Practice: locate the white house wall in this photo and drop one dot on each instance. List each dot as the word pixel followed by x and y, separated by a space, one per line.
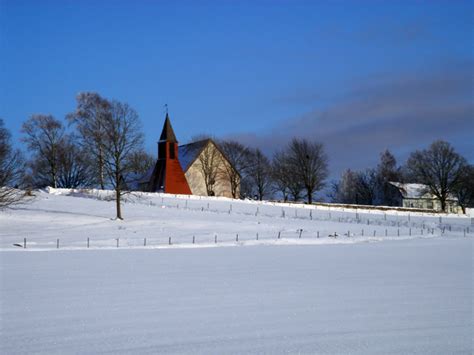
pixel 196 182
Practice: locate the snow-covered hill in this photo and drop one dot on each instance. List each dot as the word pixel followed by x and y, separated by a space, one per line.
pixel 74 216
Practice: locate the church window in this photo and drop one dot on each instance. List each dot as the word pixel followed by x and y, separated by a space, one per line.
pixel 171 148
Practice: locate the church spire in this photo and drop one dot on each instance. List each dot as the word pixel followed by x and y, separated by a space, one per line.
pixel 167 134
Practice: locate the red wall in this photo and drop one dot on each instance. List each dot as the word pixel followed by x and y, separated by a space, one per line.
pixel 175 180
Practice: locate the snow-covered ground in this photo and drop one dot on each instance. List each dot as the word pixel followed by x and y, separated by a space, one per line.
pixel 407 292
pixel 75 216
pixel 395 297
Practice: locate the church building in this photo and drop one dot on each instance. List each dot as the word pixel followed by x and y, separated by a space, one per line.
pixel 197 168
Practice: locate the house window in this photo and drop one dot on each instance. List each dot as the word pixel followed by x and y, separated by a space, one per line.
pixel 171 148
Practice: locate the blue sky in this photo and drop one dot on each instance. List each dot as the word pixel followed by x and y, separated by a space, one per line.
pixel 360 76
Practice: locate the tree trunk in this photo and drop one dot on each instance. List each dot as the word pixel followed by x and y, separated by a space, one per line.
pixel 443 204
pixel 101 169
pixel 310 196
pixel 117 202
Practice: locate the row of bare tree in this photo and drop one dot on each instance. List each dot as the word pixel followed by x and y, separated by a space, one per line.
pixel 298 170
pixel 100 143
pixel 444 172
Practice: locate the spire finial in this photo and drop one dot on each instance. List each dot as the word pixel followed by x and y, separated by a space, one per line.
pixel 166 109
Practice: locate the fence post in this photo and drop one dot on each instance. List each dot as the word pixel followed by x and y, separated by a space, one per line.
pixel 421 231
pixel 169 241
pixel 362 231
pixel 118 241
pixel 57 243
pixel 88 242
pixel 386 232
pixel 318 235
pixel 301 231
pixel 374 232
pixel 256 213
pixel 398 232
pixel 278 235
pixel 310 214
pixel 144 242
pixel 237 237
pixel 409 231
pixel 194 239
pixel 257 236
pixel 348 233
pixel 24 243
pixel 215 238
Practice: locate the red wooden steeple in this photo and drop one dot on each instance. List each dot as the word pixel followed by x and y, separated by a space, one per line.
pixel 168 176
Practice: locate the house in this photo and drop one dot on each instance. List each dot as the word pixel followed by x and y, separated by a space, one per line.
pixel 419 196
pixel 197 168
pixel 206 168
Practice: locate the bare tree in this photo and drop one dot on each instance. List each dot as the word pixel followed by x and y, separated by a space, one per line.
pixel 90 118
pixel 260 173
pixel 439 167
pixel 356 187
pixel 239 158
pixel 367 187
pixel 122 137
pixel 139 162
pixel 345 190
pixel 387 171
pixel 202 137
pixel 11 169
pixel 465 189
pixel 44 135
pixel 284 179
pixel 310 164
pixel 74 166
pixel 210 164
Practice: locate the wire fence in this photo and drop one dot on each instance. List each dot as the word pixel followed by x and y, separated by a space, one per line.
pixel 349 223
pixel 207 239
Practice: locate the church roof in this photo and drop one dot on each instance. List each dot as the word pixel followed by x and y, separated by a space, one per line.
pixel 188 153
pixel 167 134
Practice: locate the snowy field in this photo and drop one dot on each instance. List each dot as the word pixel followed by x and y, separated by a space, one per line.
pixel 74 217
pixel 395 297
pixel 408 289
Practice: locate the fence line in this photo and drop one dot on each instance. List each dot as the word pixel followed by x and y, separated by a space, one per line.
pixel 241 237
